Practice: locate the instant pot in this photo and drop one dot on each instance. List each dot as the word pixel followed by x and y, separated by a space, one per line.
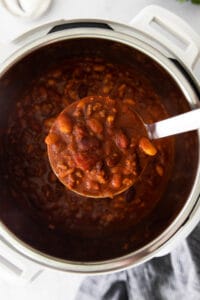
pixel 175 47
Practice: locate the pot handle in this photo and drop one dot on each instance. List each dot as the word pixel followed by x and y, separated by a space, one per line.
pixel 16 268
pixel 171 31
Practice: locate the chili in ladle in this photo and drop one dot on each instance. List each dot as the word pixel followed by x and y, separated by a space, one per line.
pixel 98 146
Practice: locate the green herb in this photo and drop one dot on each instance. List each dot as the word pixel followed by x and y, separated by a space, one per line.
pixel 196 1
pixel 193 1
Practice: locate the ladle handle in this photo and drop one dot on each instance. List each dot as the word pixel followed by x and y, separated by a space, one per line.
pixel 182 123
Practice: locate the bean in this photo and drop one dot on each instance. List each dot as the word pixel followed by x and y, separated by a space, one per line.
pixel 30 148
pixel 107 88
pixel 62 173
pixel 79 174
pixel 61 166
pixel 91 185
pixel 57 73
pixel 65 101
pixel 46 109
pixel 100 178
pixel 80 105
pixel 99 68
pixel 73 94
pixel 108 148
pixel 127 181
pixel 100 165
pixel 121 140
pixel 113 159
pixel 95 186
pixel 89 110
pixel 51 226
pixel 85 161
pixel 102 113
pixel 95 125
pixel 116 169
pixel 159 170
pixel 51 82
pixel 71 180
pixel 110 120
pixel 65 124
pixel 116 181
pixel 88 143
pixel 49 122
pixel 77 112
pixel 79 132
pixel 129 101
pixel 51 139
pixel 133 142
pixel 97 106
pixel 42 93
pixel 121 90
pixel 147 147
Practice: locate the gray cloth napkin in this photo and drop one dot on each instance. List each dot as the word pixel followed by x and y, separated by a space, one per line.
pixel 174 276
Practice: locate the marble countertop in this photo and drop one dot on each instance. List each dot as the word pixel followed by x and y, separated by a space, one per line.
pixel 51 284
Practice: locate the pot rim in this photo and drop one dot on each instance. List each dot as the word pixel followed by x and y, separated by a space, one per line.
pixel 168 236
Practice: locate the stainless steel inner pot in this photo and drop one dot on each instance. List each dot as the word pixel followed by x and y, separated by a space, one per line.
pixel 179 204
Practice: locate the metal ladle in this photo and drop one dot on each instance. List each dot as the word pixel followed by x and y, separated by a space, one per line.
pixel 179 124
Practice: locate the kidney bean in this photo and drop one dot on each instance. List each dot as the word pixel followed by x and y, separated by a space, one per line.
pixel 88 143
pixel 121 140
pixel 84 160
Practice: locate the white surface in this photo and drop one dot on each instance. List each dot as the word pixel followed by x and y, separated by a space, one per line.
pixel 50 285
pixel 27 9
pixel 54 285
pixel 118 10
